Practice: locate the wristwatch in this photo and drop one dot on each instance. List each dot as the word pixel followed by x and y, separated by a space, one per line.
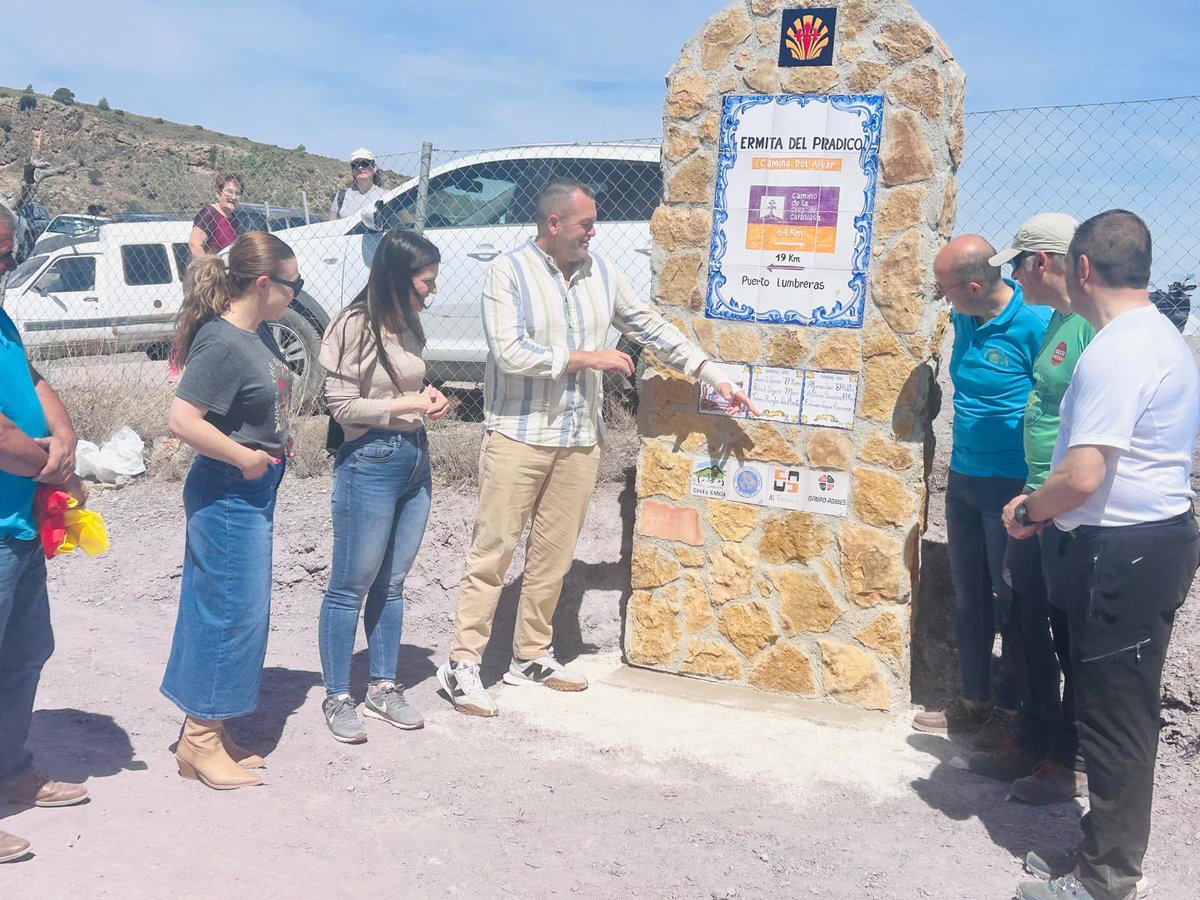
pixel 1021 514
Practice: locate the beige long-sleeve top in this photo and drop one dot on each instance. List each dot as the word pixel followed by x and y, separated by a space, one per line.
pixel 358 391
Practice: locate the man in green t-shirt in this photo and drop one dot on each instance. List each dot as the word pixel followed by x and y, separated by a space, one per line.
pixel 1042 761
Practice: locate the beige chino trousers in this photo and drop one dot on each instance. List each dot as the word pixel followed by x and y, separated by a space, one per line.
pixel 516 481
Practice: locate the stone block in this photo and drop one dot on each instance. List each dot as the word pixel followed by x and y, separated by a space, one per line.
pixel 652 567
pixel 830 450
pixel 867 75
pixel 793 537
pixel 654 630
pixel 785 670
pixel 851 675
pixel 880 498
pixel 887 384
pixel 693 180
pixel 879 451
pixel 905 156
pixel 723 32
pixel 919 88
pixel 697 609
pixel 748 626
pixel 670 522
pixel 765 7
pixel 679 280
pixel 838 350
pixel 681 228
pixel 709 128
pixel 663 388
pixel 738 343
pixel 814 80
pixel 680 143
pixel 687 94
pixel 897 285
pixel 731 571
pixel 711 659
pixel 772 443
pixel 663 472
pixel 900 209
pixel 872 566
pixel 690 557
pixel 885 636
pixel 949 210
pixel 853 17
pixel 805 603
pixel 904 41
pixel 763 77
pixel 706 337
pixel 732 521
pixel 787 347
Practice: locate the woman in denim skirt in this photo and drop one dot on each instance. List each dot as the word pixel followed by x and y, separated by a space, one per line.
pixel 232 408
pixel 375 389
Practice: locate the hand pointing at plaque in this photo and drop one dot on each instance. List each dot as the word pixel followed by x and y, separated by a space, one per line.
pixel 736 400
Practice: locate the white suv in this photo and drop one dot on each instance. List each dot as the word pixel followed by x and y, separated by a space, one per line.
pixel 478 207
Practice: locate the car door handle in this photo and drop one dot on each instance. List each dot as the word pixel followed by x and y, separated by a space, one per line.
pixel 484 255
pixel 331 260
pixel 91 299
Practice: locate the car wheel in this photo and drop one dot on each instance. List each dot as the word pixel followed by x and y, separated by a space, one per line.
pixel 300 345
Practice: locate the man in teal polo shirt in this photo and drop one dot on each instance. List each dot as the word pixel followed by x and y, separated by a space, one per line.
pixel 37 444
pixel 996 337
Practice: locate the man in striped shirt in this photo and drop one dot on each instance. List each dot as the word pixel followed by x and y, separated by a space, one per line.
pixel 547 310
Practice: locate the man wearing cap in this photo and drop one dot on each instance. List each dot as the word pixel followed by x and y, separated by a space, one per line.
pixel 1120 540
pixel 362 194
pixel 1042 761
pixel 996 337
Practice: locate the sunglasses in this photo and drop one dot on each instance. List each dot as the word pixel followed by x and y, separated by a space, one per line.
pixel 296 285
pixel 1019 259
pixel 362 164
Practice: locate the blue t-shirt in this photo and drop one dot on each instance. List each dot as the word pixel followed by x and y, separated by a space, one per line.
pixel 20 404
pixel 991 368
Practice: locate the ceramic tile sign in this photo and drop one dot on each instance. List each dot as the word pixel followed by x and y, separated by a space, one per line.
pixel 829 398
pixel 795 193
pixel 806 37
pixel 777 393
pixel 769 484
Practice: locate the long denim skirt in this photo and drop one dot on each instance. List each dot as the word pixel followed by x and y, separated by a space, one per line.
pixel 220 640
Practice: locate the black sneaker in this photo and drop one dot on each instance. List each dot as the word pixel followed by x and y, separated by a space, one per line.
pixel 1008 762
pixel 996 730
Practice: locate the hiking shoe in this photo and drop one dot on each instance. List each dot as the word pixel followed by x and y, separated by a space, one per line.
pixel 343 720
pixel 460 680
pixel 996 730
pixel 12 847
pixel 386 702
pixel 955 715
pixel 1051 782
pixel 544 670
pixel 1064 865
pixel 1067 887
pixel 35 789
pixel 1007 762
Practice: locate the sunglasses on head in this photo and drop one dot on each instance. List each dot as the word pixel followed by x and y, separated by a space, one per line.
pixel 362 164
pixel 296 285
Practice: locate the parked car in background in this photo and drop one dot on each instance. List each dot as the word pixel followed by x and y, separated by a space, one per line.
pixel 32 219
pixel 478 207
pixel 71 225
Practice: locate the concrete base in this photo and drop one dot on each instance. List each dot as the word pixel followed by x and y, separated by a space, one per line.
pixel 745 698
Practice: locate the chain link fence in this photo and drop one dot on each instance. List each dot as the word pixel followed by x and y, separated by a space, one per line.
pixel 97 293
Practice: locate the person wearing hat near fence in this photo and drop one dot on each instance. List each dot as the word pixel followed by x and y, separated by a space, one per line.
pixel 1042 759
pixel 1120 540
pixel 37 444
pixel 548 307
pixel 365 188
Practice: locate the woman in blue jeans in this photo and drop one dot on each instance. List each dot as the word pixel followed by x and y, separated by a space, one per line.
pixel 381 481
pixel 232 407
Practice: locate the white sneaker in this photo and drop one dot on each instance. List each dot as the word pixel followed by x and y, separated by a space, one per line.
pixel 544 670
pixel 460 680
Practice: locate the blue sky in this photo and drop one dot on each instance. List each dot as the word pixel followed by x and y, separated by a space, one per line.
pixel 470 74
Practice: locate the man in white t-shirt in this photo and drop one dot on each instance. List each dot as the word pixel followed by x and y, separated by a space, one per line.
pixel 1123 542
pixel 349 202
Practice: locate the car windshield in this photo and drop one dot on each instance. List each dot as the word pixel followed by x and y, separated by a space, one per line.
pixel 72 225
pixel 25 271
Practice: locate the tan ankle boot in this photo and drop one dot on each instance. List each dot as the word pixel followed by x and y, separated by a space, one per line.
pixel 241 755
pixel 201 755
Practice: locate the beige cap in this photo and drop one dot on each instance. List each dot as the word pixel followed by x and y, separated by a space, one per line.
pixel 1048 232
pixel 362 153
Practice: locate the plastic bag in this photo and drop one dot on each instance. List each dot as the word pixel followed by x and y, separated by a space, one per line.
pixel 64 526
pixel 120 455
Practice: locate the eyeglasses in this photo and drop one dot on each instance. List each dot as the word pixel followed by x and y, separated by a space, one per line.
pixel 296 285
pixel 362 164
pixel 231 195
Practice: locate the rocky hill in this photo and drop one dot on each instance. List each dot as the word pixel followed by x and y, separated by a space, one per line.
pixel 130 163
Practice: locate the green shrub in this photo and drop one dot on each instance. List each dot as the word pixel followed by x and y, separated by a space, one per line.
pixel 198 127
pixel 64 95
pixel 26 103
pixel 5 124
pixel 159 120
pixel 103 104
pixel 94 176
pixel 118 112
pixel 300 148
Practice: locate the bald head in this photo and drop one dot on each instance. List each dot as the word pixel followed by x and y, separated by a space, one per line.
pixel 965 260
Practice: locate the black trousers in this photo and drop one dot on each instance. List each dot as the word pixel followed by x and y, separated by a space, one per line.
pixel 1120 588
pixel 1038 633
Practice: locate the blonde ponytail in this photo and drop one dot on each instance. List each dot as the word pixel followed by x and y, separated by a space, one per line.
pixel 206 295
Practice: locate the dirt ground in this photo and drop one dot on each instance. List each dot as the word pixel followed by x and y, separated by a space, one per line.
pixel 612 793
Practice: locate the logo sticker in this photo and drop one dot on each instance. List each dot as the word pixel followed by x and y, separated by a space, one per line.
pixel 806 38
pixel 747 482
pixel 1060 353
pixel 996 357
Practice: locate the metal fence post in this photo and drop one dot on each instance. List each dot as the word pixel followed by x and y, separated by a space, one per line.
pixel 423 186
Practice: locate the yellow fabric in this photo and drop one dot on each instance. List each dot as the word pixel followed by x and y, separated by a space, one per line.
pixel 85 531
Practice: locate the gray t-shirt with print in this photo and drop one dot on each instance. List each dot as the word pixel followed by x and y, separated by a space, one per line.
pixel 241 379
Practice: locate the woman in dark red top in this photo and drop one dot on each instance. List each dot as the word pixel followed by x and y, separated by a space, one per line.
pixel 213 229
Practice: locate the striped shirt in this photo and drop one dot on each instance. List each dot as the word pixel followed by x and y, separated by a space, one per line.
pixel 533 319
